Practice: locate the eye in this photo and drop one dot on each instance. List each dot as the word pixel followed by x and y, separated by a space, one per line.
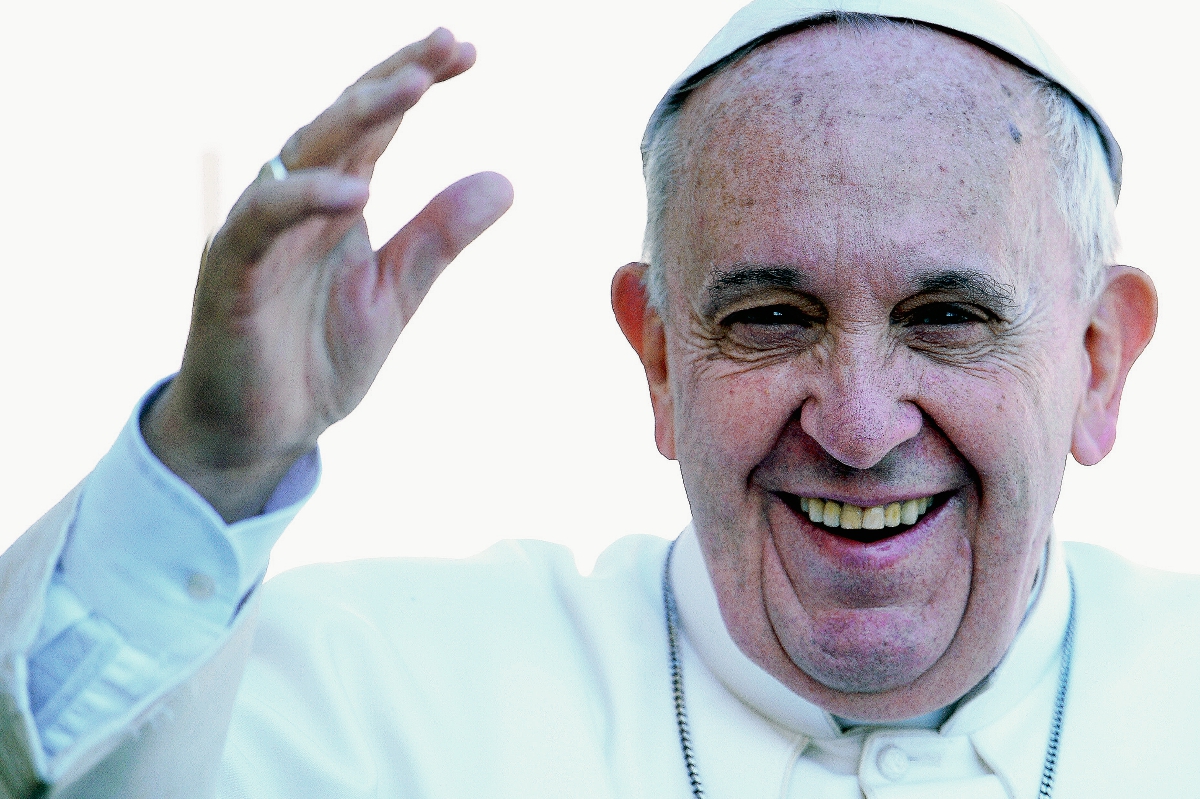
pixel 770 315
pixel 940 314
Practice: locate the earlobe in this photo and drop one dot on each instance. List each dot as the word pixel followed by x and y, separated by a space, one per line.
pixel 1121 327
pixel 644 330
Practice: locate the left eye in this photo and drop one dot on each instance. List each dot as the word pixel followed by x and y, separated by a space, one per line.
pixel 940 313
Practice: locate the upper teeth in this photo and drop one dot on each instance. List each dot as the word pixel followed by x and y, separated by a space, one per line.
pixel 852 517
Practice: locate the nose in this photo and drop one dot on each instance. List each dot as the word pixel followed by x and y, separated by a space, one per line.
pixel 860 409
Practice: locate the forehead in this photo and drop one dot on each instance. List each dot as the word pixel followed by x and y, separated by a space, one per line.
pixel 889 143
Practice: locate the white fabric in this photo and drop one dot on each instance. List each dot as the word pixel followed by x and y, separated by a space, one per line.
pixel 510 674
pixel 986 20
pixel 1032 661
pixel 128 609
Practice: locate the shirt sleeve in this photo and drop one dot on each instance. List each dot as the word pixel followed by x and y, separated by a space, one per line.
pixel 149 579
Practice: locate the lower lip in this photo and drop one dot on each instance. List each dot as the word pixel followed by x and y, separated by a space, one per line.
pixel 879 554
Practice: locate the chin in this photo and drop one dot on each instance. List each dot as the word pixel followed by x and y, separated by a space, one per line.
pixel 865 651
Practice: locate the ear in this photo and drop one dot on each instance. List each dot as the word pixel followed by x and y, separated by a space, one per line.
pixel 1121 327
pixel 643 328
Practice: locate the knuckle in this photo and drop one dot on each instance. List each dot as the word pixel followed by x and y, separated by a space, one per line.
pixel 311 195
pixel 239 206
pixel 216 249
pixel 255 206
pixel 293 149
pixel 358 101
pixel 289 153
pixel 439 246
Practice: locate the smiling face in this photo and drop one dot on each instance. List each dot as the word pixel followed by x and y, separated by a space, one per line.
pixel 872 321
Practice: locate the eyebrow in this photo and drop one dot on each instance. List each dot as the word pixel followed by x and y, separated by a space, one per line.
pixel 971 285
pixel 730 285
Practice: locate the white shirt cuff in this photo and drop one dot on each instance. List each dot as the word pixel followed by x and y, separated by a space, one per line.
pixel 150 578
pixel 150 555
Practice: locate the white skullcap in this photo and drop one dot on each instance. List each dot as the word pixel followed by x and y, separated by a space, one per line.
pixel 985 20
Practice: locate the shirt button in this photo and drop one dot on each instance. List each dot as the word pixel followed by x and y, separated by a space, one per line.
pixel 893 762
pixel 200 586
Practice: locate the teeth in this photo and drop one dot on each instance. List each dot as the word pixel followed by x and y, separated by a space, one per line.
pixel 852 517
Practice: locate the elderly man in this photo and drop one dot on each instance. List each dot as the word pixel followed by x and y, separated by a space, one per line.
pixel 877 312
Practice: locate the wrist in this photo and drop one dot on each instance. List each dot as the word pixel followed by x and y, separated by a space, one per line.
pixel 230 469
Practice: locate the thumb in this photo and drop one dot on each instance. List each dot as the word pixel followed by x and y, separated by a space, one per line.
pixel 418 253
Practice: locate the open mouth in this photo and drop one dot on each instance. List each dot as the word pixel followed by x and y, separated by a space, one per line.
pixel 866 525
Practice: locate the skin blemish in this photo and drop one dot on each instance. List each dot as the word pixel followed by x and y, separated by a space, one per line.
pixel 1015 132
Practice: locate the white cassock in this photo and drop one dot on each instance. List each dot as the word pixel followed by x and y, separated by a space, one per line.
pixel 511 675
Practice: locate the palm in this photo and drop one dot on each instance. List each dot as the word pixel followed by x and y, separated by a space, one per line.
pixel 295 313
pixel 322 323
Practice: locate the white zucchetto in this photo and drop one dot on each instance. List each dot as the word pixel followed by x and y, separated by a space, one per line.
pixel 984 20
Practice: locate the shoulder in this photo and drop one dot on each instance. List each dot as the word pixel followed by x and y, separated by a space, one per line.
pixel 454 670
pixel 1133 614
pixel 514 584
pixel 1137 648
pixel 1125 591
pixel 466 645
pixel 509 564
pixel 1133 695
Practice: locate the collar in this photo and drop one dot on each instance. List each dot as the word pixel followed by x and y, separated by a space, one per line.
pixel 1031 658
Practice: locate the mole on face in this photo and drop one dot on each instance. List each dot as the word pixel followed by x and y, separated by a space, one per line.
pixel 1015 132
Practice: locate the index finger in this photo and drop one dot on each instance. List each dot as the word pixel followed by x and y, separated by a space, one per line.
pixel 436 52
pixel 384 93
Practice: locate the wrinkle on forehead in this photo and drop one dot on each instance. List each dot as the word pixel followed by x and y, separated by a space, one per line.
pixel 845 119
pixel 828 77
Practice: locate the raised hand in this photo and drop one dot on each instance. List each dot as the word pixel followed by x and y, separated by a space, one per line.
pixel 294 312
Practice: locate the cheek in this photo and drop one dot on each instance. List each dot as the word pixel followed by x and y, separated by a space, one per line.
pixel 1010 426
pixel 727 419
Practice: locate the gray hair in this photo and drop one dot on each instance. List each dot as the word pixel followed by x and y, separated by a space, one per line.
pixel 1086 196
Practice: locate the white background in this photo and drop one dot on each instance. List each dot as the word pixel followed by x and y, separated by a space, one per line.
pixel 512 406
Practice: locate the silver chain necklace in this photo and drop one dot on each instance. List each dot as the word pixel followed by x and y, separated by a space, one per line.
pixel 681 717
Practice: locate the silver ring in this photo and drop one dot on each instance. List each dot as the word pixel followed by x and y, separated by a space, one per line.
pixel 277 169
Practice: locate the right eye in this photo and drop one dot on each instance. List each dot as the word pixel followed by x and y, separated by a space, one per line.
pixel 772 328
pixel 770 315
